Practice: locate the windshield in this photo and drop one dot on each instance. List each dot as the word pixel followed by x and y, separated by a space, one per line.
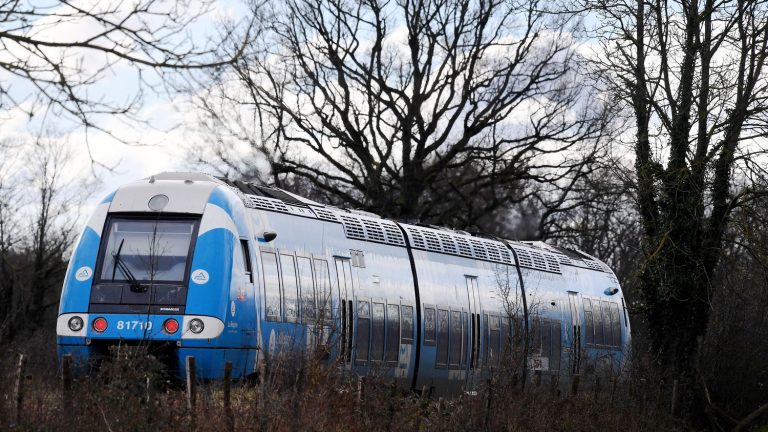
pixel 146 250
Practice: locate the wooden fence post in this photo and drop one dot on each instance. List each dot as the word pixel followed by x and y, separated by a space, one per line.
pixel 488 405
pixel 674 398
pixel 18 391
pixel 575 384
pixel 66 381
pixel 227 395
pixel 191 387
pixel 360 389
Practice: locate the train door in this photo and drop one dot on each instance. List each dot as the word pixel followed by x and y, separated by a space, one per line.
pixel 345 308
pixel 473 334
pixel 574 335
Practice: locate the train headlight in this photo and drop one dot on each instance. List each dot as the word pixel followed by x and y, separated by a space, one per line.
pixel 75 323
pixel 196 326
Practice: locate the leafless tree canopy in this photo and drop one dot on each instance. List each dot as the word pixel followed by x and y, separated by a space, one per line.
pixel 53 55
pixel 440 110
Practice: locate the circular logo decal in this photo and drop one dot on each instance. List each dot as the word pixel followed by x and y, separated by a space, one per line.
pixel 83 273
pixel 200 276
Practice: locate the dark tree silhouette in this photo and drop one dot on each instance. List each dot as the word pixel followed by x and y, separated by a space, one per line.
pixel 691 76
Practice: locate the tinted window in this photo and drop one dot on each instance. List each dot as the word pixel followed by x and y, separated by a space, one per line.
pixel 363 331
pixel 406 328
pixel 246 259
pixel 616 322
pixel 307 289
pixel 506 336
pixel 430 326
pixel 464 338
pixel 323 279
pixel 290 288
pixel 393 333
pixel 271 286
pixel 597 316
pixel 495 339
pixel 536 336
pixel 546 340
pixel 554 360
pixel 144 250
pixel 377 332
pixel 608 337
pixel 455 355
pixel 589 328
pixel 485 344
pixel 442 338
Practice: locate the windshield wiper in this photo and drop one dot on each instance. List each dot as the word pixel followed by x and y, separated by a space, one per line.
pixel 119 264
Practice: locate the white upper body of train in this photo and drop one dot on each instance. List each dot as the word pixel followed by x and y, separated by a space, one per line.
pixel 233 272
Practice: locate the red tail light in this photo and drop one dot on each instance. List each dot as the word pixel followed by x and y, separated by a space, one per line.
pixel 99 324
pixel 171 326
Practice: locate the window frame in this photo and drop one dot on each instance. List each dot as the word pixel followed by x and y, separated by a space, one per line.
pixel 383 303
pixel 302 289
pixel 438 343
pixel 359 360
pixel 100 258
pixel 427 340
pixel 393 360
pixel 245 248
pixel 274 252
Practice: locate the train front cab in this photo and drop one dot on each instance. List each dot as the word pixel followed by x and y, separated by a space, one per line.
pixel 163 264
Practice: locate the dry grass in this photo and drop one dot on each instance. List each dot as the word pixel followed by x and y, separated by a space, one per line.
pixel 131 393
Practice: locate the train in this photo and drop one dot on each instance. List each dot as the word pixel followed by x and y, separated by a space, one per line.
pixel 200 266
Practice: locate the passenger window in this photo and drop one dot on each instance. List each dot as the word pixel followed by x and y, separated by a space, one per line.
pixel 455 340
pixel 430 327
pixel 506 336
pixel 272 303
pixel 495 336
pixel 607 323
pixel 442 338
pixel 307 290
pixel 246 259
pixel 377 332
pixel 290 288
pixel 554 360
pixel 406 327
pixel 323 278
pixel 465 340
pixel 393 334
pixel 363 331
pixel 519 331
pixel 616 321
pixel 536 336
pixel 597 316
pixel 590 327
pixel 546 340
pixel 486 345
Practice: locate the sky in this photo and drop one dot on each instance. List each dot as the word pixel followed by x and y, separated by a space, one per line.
pixel 166 120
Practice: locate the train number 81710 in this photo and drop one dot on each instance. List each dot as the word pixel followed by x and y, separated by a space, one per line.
pixel 134 325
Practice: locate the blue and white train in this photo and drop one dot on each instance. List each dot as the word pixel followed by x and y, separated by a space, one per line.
pixel 195 265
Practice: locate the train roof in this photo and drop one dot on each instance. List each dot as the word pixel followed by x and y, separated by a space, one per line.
pixel 366 226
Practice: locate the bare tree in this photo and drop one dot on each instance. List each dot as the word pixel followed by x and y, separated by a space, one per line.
pixel 55 55
pixel 691 76
pixel 55 207
pixel 444 111
pixel 10 237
